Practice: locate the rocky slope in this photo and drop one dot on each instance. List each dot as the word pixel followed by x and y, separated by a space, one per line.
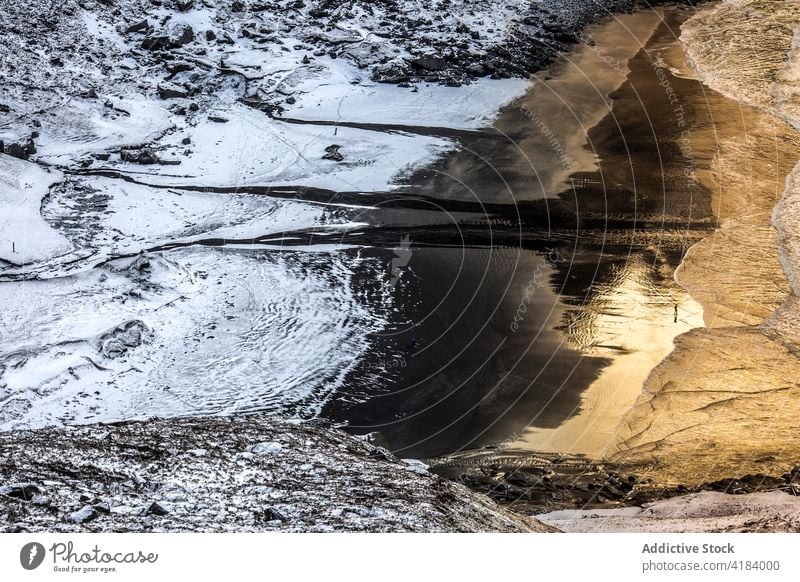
pixel 257 473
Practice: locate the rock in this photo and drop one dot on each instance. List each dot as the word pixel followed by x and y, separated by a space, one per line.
pixel 430 63
pixel 84 515
pixel 217 119
pixel 332 153
pixel 390 73
pixel 381 454
pixel 102 508
pixel 4 108
pixel 272 514
pixel 170 91
pixel 186 141
pixel 16 151
pixel 140 265
pixel 194 107
pixel 183 37
pixel 237 6
pixel 155 43
pixel 138 157
pixel 141 26
pixel 210 35
pixel 175 68
pixel 122 338
pixel 24 491
pixel 21 151
pixel 377 439
pixel 476 69
pixel 185 5
pixel 103 157
pixel 155 509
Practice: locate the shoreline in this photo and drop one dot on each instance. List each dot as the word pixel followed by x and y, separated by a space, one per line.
pixel 739 369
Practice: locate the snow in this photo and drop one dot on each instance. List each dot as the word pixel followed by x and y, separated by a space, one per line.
pixel 329 94
pixel 78 126
pixel 24 236
pixel 121 218
pixel 251 149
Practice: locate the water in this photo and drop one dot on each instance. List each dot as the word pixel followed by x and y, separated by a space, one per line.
pixel 538 321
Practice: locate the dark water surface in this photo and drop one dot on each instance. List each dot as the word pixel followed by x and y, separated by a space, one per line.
pixel 532 321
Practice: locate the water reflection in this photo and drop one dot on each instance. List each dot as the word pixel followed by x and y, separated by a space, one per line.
pixel 597 300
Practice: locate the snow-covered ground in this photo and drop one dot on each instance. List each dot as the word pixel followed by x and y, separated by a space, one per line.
pixel 24 236
pixel 139 107
pixel 196 331
pixel 257 473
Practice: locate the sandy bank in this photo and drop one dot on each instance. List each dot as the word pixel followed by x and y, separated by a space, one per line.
pixel 723 402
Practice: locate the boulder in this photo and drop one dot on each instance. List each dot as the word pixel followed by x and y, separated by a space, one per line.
pixel 145 157
pixel 430 63
pixel 23 491
pixel 156 43
pixel 182 36
pixel 22 150
pixel 141 26
pixel 84 515
pixel 179 67
pixel 170 91
pixel 155 509
pixel 332 153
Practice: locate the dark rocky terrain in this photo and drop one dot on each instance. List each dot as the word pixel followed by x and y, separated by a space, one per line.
pixel 257 473
pixel 535 483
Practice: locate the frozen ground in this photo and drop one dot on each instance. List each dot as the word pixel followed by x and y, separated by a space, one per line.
pixel 24 236
pixel 256 473
pixel 194 331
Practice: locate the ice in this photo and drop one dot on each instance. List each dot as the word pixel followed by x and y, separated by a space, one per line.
pixel 226 331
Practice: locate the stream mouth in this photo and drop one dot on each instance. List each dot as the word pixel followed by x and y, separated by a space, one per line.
pixel 533 324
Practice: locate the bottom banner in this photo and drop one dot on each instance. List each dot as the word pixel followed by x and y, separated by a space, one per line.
pixel 355 557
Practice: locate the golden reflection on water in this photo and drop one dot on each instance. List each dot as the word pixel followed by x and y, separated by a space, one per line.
pixel 630 320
